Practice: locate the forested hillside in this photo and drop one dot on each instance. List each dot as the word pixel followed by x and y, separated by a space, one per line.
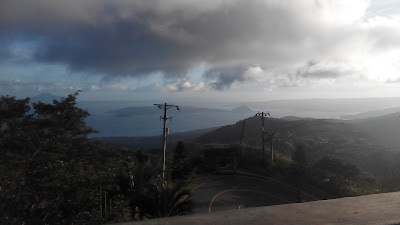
pixel 384 129
pixel 52 173
pixel 351 140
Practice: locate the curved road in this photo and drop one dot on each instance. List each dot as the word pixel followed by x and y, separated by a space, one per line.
pixel 224 192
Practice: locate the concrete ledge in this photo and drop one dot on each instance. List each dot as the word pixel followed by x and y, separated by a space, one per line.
pixel 370 209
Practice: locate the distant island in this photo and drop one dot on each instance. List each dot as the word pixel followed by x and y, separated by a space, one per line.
pixel 243 109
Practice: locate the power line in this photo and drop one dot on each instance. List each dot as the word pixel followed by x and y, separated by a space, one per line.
pixel 165 106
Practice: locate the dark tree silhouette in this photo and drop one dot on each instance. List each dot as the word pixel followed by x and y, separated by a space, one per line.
pixel 179 168
pixel 299 157
pixel 50 170
pixel 298 168
pixel 152 198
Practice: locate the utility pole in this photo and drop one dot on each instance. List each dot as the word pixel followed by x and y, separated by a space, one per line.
pixel 241 135
pixel 165 106
pixel 263 116
pixel 273 135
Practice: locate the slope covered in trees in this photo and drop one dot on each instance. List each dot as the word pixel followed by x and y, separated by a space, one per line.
pixel 353 141
pixel 52 173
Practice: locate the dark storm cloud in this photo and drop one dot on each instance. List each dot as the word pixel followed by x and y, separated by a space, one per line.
pixel 123 48
pixel 152 39
pixel 5 51
pixel 141 37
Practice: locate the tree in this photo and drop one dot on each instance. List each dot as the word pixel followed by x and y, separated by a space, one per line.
pixel 50 170
pixel 14 117
pixel 171 201
pixel 341 177
pixel 299 158
pixel 52 173
pixel 150 197
pixel 298 168
pixel 156 201
pixel 179 168
pixel 338 167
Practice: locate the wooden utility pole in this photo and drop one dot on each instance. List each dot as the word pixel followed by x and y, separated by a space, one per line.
pixel 241 135
pixel 101 202
pixel 165 106
pixel 273 135
pixel 263 116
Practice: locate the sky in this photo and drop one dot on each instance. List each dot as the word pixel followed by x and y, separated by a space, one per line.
pixel 200 51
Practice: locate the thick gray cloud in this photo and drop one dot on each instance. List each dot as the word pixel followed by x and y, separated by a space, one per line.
pixel 137 38
pixel 149 40
pixel 314 69
pixel 223 78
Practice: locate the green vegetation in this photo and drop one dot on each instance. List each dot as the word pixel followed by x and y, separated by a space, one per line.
pixel 329 177
pixel 341 178
pixel 378 165
pixel 52 173
pixel 180 166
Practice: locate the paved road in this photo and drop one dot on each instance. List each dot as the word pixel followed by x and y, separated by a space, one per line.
pixel 223 192
pixel 375 209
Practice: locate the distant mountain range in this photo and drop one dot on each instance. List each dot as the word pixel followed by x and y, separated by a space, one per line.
pixel 356 105
pixel 370 114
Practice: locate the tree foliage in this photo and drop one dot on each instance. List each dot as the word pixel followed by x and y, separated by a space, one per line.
pixel 51 170
pixel 52 173
pixel 179 168
pixel 341 177
pixel 299 157
pixel 151 197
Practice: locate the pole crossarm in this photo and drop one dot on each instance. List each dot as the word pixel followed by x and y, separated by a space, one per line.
pixel 263 114
pixel 166 105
